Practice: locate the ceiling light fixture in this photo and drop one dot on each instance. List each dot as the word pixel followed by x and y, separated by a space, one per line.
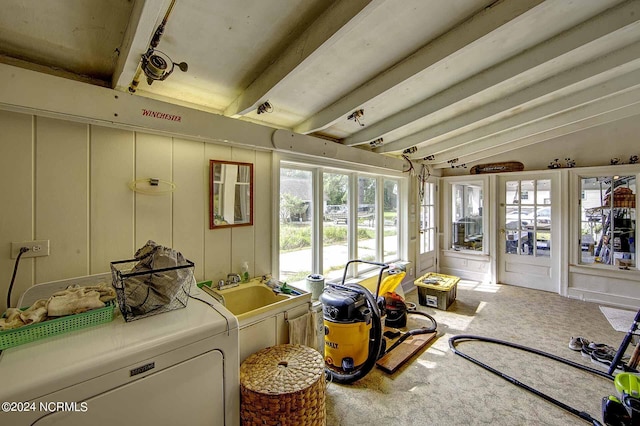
pixel 265 107
pixel 411 150
pixel 376 143
pixel 454 164
pixel 356 116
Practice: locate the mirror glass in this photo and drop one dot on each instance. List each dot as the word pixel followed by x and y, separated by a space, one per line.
pixel 230 194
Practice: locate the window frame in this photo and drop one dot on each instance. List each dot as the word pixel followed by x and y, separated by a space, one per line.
pixel 320 166
pixel 447 210
pixel 576 214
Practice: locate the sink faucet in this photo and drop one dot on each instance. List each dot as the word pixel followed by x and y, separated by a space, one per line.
pixel 233 280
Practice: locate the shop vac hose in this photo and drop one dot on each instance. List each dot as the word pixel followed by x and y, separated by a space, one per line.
pixel 422 330
pixel 433 327
pixel 375 341
pixel 583 415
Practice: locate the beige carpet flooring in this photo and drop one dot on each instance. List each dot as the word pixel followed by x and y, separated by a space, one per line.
pixel 437 387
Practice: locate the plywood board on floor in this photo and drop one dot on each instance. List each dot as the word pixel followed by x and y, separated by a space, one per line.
pixel 403 352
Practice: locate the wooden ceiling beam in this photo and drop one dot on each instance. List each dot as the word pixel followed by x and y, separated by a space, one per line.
pixel 569 128
pixel 566 122
pixel 336 21
pixel 457 40
pixel 574 79
pixel 450 147
pixel 145 18
pixel 531 62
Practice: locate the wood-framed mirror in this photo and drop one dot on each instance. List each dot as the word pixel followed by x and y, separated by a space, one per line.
pixel 230 194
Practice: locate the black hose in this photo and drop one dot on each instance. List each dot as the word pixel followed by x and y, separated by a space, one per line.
pixel 13 278
pixel 424 314
pixel 422 330
pixel 583 415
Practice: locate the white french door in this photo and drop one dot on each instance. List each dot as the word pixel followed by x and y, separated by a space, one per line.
pixel 528 243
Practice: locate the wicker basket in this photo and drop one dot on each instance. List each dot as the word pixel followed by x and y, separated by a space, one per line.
pixel 622 197
pixel 283 385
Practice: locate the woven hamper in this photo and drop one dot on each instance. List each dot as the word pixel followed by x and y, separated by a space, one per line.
pixel 283 385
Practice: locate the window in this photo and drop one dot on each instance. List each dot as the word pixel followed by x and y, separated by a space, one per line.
pixel 608 221
pixel 367 233
pixel 335 241
pixel 391 206
pixel 467 216
pixel 296 214
pixel 357 218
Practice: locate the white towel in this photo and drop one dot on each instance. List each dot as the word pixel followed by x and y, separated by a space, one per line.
pixel 302 330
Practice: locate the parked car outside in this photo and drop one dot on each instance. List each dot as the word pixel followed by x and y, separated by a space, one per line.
pixel 542 216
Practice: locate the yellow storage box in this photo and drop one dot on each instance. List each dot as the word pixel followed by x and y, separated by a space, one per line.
pixel 437 290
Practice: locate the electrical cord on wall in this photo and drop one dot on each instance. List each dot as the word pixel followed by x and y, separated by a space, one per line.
pixel 212 306
pixel 23 250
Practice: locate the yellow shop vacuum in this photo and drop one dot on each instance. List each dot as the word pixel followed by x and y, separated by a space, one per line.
pixel 353 327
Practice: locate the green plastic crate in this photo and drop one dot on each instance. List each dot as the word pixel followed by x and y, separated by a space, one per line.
pixel 32 332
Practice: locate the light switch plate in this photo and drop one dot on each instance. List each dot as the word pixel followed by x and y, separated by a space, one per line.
pixel 36 248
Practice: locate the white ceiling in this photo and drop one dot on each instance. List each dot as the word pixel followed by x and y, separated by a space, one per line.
pixel 456 79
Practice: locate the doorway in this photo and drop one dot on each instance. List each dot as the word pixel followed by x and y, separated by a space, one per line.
pixel 528 215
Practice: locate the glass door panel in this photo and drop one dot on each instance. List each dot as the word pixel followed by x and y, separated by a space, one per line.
pixel 527 216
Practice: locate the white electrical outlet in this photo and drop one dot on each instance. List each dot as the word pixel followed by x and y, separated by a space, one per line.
pixel 36 248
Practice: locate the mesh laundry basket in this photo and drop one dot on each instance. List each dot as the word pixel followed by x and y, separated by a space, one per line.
pixel 150 292
pixel 283 385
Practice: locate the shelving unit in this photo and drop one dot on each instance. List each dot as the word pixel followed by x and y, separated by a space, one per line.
pixel 616 245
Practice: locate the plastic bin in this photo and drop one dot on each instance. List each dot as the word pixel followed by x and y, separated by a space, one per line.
pixel 149 292
pixel 437 290
pixel 53 327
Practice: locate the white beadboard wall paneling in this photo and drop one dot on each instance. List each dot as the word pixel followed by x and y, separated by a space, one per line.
pixel 217 242
pixel 112 202
pixel 189 202
pixel 62 198
pixel 16 193
pixel 262 214
pixel 153 159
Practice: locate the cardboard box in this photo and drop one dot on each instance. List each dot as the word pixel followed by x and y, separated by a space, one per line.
pixel 437 290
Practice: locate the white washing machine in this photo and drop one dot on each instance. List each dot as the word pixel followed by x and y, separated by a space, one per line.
pixel 179 367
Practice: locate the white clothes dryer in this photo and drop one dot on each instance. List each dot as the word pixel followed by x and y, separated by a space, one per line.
pixel 178 367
